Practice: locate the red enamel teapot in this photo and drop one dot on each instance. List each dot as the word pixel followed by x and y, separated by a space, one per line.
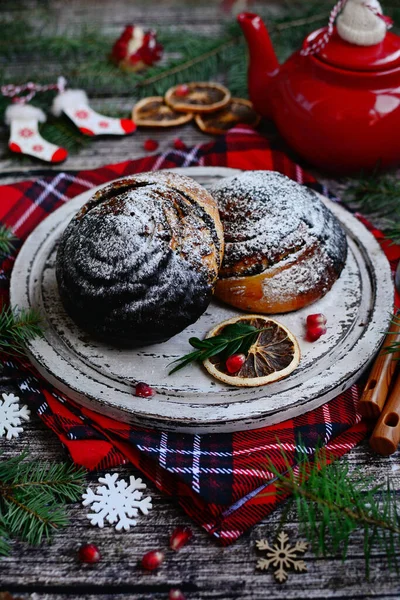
pixel 339 106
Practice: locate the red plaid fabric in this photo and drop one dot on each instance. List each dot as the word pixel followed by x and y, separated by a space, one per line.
pixel 222 481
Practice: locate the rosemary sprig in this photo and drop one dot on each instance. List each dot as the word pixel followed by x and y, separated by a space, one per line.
pixel 235 338
pixel 17 328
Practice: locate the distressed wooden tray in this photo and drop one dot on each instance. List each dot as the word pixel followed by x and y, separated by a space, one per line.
pixel 101 377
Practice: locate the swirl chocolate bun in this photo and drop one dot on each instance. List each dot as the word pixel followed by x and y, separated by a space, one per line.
pixel 139 262
pixel 283 247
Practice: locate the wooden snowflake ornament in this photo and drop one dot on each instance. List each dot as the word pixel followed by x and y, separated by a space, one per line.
pixel 282 556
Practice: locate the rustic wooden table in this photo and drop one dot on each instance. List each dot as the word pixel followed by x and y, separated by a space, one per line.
pixel 202 570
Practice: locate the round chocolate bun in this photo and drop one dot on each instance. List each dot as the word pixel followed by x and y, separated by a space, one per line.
pixel 139 262
pixel 284 248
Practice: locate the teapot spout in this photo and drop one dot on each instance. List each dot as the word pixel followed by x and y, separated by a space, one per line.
pixel 264 65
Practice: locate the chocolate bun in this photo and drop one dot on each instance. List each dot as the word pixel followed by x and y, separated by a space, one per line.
pixel 139 262
pixel 284 248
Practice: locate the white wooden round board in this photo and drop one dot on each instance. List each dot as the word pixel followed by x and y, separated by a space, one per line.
pixel 358 309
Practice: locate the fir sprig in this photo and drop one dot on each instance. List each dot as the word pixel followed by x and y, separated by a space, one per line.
pixel 7 240
pixel 378 196
pixel 33 497
pixel 393 347
pixel 235 338
pixel 332 503
pixel 17 327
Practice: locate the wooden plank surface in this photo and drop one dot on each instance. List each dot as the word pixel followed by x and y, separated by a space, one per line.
pixel 203 570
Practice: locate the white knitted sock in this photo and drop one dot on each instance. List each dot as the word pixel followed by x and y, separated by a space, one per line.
pixel 25 138
pixel 75 104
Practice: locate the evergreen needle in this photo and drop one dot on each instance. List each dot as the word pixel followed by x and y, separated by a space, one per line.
pixel 33 497
pixel 17 328
pixel 7 240
pixel 332 503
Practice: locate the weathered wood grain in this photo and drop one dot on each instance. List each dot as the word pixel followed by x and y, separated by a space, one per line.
pixel 202 569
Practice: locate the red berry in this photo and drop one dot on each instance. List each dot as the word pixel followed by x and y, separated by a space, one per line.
pixel 89 553
pixel 315 326
pixel 235 362
pixel 179 145
pixel 182 90
pixel 180 537
pixel 317 319
pixel 143 390
pixel 175 594
pixel 152 560
pixel 150 145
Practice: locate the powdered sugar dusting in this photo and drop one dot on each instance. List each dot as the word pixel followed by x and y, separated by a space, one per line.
pixel 270 221
pixel 139 261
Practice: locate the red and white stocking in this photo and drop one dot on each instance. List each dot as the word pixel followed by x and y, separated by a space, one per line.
pixel 25 138
pixel 75 104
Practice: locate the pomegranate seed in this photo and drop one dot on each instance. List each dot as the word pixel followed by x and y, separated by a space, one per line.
pixel 178 144
pixel 175 594
pixel 152 560
pixel 89 553
pixel 180 537
pixel 235 362
pixel 143 390
pixel 317 319
pixel 182 90
pixel 150 145
pixel 314 333
pixel 315 327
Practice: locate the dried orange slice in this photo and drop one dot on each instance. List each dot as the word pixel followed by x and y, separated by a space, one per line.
pixel 273 356
pixel 153 112
pixel 236 111
pixel 197 97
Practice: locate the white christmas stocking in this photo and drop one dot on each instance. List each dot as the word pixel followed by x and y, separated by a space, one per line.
pixel 75 104
pixel 25 138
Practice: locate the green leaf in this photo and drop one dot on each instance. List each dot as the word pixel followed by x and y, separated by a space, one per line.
pixel 235 337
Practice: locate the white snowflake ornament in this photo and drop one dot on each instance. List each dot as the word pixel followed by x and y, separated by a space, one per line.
pixel 116 502
pixel 282 556
pixel 11 416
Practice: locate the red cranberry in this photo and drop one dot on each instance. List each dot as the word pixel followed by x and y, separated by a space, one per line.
pixel 89 553
pixel 143 390
pixel 235 362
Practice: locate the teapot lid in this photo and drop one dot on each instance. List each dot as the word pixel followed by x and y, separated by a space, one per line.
pixel 344 55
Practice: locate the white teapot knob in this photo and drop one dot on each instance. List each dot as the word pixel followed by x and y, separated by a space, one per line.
pixel 359 24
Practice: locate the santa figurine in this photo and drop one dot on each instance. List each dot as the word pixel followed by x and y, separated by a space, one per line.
pixel 361 22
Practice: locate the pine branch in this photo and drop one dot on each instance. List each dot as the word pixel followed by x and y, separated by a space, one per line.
pixel 7 240
pixel 17 328
pixel 331 504
pixel 33 497
pixel 378 196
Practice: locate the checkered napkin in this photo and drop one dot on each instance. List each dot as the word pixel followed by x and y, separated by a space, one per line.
pixel 221 480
